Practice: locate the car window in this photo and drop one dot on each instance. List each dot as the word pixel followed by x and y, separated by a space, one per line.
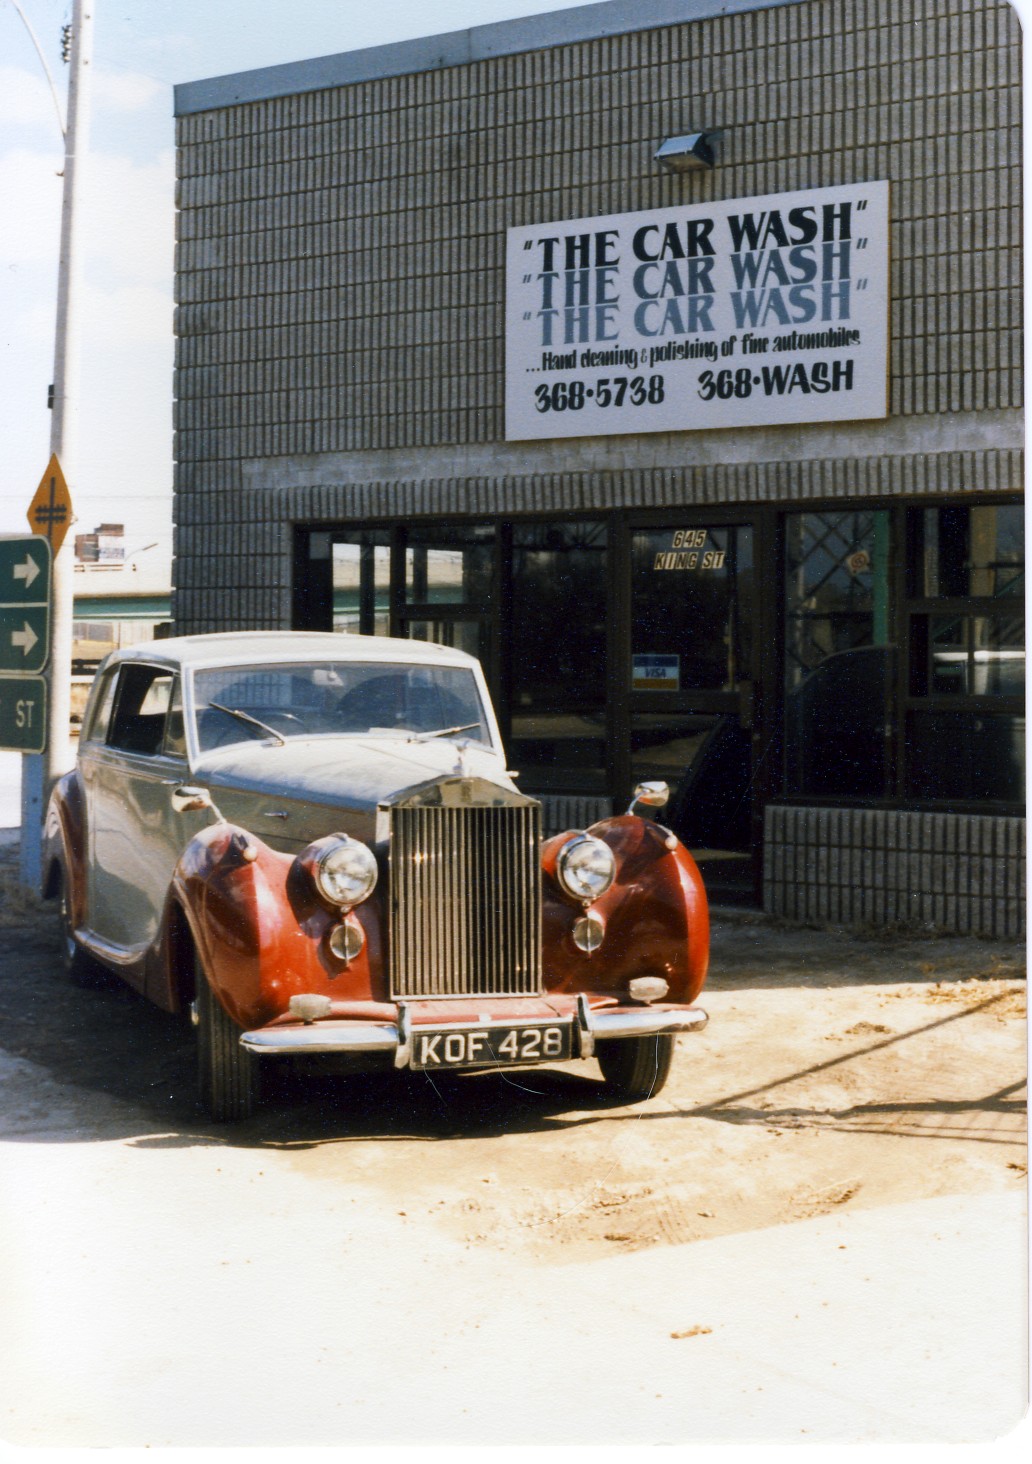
pixel 245 703
pixel 99 716
pixel 175 730
pixel 141 706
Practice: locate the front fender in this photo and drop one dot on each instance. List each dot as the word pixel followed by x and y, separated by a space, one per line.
pixel 259 931
pixel 656 915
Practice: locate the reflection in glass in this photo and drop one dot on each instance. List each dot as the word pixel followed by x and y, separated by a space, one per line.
pixel 966 757
pixel 967 551
pixel 333 697
pixel 462 635
pixel 691 615
pixel 559 656
pixel 839 666
pixel 448 564
pixel 706 760
pixel 362 581
pixel 976 655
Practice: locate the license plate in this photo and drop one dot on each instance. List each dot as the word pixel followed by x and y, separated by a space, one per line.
pixel 491 1046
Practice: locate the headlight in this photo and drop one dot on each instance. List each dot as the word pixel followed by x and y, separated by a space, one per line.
pixel 346 872
pixel 586 868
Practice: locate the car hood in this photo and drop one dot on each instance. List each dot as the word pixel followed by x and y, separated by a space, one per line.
pixel 352 774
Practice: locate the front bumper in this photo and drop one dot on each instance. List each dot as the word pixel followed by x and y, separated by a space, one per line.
pixel 345 1033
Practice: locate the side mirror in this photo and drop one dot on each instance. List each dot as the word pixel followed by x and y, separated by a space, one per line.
pixel 652 795
pixel 188 799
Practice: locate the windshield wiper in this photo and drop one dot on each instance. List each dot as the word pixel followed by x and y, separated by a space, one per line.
pixel 253 721
pixel 441 732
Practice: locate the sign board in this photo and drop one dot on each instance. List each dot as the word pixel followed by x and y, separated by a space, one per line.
pixel 25 574
pixel 24 571
pixel 50 512
pixel 23 713
pixel 740 313
pixel 655 673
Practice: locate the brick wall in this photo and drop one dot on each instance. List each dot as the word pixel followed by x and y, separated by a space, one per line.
pixel 928 871
pixel 293 210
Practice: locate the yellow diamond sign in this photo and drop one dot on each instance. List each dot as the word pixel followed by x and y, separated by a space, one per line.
pixel 50 512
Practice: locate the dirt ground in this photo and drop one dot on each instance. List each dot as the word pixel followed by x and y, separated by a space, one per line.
pixel 837 1072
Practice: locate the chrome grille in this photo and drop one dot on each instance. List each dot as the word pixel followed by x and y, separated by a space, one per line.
pixel 465 901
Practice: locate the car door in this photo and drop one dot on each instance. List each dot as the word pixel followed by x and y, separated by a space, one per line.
pixel 134 836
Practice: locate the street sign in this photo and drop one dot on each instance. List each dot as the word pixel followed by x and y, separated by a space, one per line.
pixel 23 713
pixel 50 512
pixel 25 571
pixel 25 574
pixel 24 637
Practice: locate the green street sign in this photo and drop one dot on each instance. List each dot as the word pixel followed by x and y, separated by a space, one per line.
pixel 25 570
pixel 24 636
pixel 23 713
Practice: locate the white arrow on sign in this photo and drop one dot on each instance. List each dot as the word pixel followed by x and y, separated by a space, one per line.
pixel 26 638
pixel 27 571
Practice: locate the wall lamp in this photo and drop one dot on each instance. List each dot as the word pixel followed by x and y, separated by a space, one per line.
pixel 694 150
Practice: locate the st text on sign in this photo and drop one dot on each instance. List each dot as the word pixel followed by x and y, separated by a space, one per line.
pixel 23 713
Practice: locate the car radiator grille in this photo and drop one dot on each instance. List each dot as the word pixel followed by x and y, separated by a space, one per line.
pixel 465 901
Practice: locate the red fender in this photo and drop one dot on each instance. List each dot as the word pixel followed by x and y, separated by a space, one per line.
pixel 261 932
pixel 656 915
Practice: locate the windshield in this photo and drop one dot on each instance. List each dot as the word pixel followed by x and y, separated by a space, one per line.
pixel 254 703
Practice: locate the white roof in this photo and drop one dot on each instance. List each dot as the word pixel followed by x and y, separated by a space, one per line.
pixel 245 647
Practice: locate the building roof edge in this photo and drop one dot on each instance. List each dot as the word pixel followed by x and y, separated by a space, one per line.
pixel 455 48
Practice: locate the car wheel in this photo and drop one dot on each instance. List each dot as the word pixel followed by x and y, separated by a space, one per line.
pixel 227 1073
pixel 635 1068
pixel 79 967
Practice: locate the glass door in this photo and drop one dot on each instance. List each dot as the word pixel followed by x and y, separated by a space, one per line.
pixel 690 690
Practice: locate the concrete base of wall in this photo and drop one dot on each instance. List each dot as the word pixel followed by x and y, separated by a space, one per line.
pixel 960 874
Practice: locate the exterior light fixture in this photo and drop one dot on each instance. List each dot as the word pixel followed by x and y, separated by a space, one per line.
pixel 682 154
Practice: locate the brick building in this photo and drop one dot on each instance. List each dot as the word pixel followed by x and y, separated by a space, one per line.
pixel 713 458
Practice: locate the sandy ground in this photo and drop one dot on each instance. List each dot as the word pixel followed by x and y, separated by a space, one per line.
pixel 757 1252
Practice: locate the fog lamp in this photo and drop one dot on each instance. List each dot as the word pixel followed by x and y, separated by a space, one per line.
pixel 648 988
pixel 346 940
pixel 309 1006
pixel 588 933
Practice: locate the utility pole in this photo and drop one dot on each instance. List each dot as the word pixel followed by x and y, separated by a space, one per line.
pixel 40 773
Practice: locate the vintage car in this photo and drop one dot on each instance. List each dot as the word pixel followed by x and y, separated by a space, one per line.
pixel 310 842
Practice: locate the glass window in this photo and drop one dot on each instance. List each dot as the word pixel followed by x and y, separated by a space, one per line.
pixel 362 582
pixel 966 757
pixel 448 564
pixel 558 638
pixel 96 727
pixel 965 727
pixel 705 758
pixel 967 551
pixel 691 593
pixel 839 660
pixel 175 732
pixel 244 703
pixel 141 705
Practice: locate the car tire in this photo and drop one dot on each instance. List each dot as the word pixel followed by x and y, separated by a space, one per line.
pixel 227 1074
pixel 79 967
pixel 635 1068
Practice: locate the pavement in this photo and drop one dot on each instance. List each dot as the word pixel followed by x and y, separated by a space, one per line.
pixel 313 1319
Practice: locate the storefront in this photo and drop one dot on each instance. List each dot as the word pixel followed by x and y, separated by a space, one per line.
pixel 717 470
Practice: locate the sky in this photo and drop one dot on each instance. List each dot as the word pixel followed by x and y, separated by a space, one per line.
pixel 142 49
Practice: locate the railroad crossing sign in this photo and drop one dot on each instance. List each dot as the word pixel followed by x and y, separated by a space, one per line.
pixel 50 512
pixel 25 565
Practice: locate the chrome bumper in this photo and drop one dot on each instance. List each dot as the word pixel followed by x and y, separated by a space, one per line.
pixel 336 1036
